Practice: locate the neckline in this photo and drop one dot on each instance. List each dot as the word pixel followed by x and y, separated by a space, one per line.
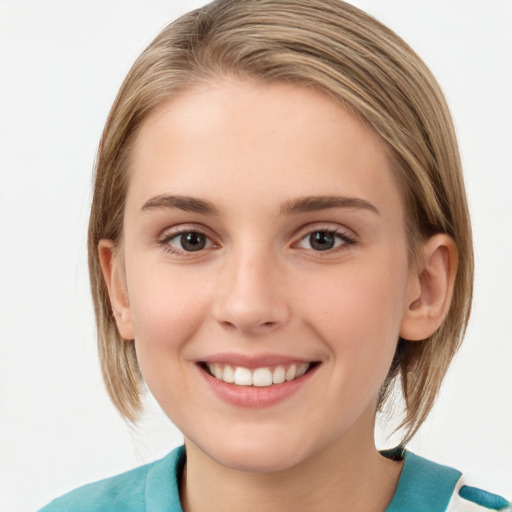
pixel 423 486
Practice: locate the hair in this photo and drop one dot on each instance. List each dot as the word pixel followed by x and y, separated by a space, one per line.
pixel 341 51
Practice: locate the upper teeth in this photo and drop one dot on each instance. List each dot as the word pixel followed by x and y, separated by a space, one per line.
pixel 258 377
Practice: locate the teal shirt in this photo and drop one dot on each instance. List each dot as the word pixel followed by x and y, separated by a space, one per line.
pixel 423 486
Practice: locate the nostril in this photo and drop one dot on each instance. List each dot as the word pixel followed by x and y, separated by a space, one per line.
pixel 232 325
pixel 228 325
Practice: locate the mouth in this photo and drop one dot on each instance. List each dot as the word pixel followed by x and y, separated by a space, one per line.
pixel 265 376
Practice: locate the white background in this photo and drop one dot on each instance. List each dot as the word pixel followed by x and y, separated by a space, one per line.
pixel 61 64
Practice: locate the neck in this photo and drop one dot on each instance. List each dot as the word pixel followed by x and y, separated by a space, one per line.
pixel 347 475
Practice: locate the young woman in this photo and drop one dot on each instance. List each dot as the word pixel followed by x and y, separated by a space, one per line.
pixel 279 233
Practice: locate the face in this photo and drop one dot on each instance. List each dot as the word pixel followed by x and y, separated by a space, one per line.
pixel 265 271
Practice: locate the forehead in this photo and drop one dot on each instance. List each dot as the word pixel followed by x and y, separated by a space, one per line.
pixel 234 139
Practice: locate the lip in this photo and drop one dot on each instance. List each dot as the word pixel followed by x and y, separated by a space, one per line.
pixel 253 396
pixel 253 362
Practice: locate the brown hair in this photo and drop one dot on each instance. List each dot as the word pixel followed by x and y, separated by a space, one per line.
pixel 345 53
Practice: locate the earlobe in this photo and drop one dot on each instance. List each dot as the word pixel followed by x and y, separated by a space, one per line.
pixel 116 285
pixel 430 288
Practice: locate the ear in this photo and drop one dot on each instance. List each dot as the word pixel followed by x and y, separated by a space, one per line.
pixel 116 285
pixel 430 288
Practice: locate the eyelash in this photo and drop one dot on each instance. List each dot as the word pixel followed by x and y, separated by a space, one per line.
pixel 167 247
pixel 345 239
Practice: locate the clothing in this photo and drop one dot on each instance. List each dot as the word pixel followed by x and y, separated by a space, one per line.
pixel 424 486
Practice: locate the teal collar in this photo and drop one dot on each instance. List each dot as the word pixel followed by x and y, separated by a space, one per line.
pixel 424 486
pixel 162 492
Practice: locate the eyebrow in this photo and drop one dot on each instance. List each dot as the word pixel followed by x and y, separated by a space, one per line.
pixel 185 203
pixel 317 203
pixel 299 205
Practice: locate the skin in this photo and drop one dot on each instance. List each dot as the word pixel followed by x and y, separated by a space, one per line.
pixel 259 287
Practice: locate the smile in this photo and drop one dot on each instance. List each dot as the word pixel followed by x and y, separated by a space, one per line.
pixel 259 377
pixel 256 382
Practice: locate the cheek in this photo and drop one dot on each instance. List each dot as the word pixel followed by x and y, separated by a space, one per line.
pixel 357 312
pixel 344 299
pixel 168 306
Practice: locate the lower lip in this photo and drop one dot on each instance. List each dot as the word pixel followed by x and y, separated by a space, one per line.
pixel 254 396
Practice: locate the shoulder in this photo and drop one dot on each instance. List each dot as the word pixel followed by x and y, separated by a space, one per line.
pixel 129 492
pixel 425 486
pixel 121 492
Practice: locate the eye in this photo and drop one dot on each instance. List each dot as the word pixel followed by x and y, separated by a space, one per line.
pixel 324 240
pixel 188 241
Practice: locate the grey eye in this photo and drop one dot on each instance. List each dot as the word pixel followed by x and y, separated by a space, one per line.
pixel 322 241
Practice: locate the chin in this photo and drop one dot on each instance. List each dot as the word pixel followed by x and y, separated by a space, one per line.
pixel 258 453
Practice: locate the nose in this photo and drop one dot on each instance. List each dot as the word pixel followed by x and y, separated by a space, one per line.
pixel 251 296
